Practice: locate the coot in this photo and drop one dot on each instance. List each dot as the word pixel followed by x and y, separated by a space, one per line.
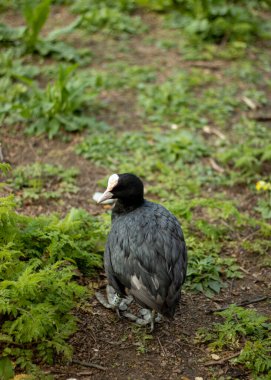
pixel 145 255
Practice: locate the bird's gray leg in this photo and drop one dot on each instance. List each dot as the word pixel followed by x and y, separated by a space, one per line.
pixel 152 320
pixel 102 300
pixel 114 301
pixel 147 318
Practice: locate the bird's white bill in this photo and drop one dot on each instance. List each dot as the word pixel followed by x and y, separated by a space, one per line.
pixel 96 197
pixel 105 196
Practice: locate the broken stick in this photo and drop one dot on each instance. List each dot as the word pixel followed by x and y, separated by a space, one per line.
pixel 243 303
pixel 89 364
pixel 222 361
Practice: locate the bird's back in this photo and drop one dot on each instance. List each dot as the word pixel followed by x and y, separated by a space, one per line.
pixel 146 255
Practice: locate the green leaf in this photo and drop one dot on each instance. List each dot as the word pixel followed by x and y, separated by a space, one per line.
pixel 35 17
pixel 6 369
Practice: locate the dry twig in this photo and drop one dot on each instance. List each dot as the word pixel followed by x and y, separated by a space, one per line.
pixel 249 103
pixel 261 117
pixel 223 360
pixel 1 154
pixel 207 65
pixel 215 166
pixel 162 348
pixel 243 303
pixel 89 364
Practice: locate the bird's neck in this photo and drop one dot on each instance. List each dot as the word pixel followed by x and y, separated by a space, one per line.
pixel 123 206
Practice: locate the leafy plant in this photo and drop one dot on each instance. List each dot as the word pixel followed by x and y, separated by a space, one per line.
pixel 9 35
pixel 256 357
pixel 35 18
pixel 215 20
pixel 108 16
pixel 207 271
pixel 264 204
pixel 11 95
pixel 248 158
pixel 111 149
pixel 43 181
pixel 142 339
pixel 6 368
pixel 243 328
pixel 182 99
pixel 179 147
pixel 27 39
pixel 38 258
pixel 14 68
pixel 59 105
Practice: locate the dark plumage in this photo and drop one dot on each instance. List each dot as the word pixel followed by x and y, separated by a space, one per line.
pixel 145 254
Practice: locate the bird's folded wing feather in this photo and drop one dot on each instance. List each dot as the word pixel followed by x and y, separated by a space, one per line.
pixel 146 253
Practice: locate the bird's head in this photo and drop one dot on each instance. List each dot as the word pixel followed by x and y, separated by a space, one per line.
pixel 127 188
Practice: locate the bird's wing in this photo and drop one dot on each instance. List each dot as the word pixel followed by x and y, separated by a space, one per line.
pixel 146 253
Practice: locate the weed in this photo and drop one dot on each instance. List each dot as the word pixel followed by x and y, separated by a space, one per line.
pixel 27 38
pixel 142 339
pixel 215 20
pixel 38 256
pixel 182 99
pixel 108 16
pixel 264 203
pixel 256 357
pixel 9 35
pixel 43 181
pixel 11 95
pixel 59 105
pixel 120 75
pixel 35 18
pixel 111 150
pixel 248 158
pixel 207 271
pixel 14 68
pixel 179 147
pixel 264 207
pixel 246 329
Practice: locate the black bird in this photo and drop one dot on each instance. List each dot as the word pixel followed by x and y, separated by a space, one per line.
pixel 145 254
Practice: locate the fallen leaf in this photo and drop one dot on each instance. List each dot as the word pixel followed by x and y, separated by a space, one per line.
pixel 215 357
pixel 249 103
pixel 215 166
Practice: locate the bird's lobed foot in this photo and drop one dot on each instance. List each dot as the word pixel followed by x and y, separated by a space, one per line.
pixel 147 317
pixel 114 301
pixel 121 305
pixel 103 301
